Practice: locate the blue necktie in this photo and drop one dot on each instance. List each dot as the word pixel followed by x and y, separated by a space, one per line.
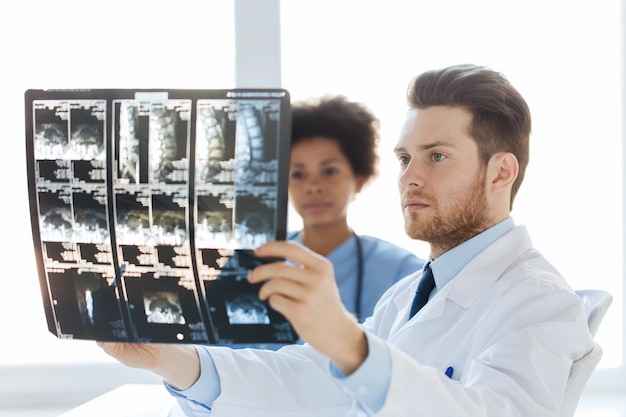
pixel 426 285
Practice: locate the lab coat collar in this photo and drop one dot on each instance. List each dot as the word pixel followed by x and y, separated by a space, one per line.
pixel 478 275
pixel 482 271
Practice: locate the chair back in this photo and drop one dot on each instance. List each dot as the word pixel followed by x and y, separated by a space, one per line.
pixel 596 303
pixel 579 374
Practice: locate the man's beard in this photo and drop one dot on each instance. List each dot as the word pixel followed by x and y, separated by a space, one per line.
pixel 467 217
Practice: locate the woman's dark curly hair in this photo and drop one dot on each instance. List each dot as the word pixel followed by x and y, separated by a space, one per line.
pixel 352 125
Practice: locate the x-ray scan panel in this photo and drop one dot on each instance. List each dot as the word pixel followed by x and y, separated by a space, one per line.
pixel 163 307
pixel 146 205
pixel 169 141
pixel 238 316
pixel 246 309
pixel 87 121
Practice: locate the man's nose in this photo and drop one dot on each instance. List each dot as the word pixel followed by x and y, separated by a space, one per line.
pixel 412 175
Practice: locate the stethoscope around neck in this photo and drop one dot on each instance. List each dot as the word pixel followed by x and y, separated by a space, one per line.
pixel 358 294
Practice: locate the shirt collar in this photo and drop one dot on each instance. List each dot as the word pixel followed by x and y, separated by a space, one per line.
pixel 448 265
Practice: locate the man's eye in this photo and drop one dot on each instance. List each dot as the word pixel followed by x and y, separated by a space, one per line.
pixel 404 160
pixel 438 157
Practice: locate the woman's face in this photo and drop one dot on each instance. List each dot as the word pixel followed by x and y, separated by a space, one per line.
pixel 321 182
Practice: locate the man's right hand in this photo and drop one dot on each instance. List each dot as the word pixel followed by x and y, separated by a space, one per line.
pixel 305 292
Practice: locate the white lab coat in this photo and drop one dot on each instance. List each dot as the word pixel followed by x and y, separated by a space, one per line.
pixel 508 325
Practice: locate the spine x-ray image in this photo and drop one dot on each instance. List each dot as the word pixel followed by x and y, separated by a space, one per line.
pixel 146 206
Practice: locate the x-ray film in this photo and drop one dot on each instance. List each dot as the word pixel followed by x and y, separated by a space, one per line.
pixel 145 208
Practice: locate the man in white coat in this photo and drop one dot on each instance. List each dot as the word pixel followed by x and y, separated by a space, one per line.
pixel 501 328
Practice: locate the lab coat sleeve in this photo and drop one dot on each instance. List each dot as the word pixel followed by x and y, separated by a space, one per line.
pixel 517 367
pixel 197 400
pixel 294 381
pixel 370 382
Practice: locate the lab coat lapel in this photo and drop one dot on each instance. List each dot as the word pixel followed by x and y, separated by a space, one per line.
pixel 469 284
pixel 488 267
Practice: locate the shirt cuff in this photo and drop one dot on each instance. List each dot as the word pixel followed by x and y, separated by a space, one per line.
pixel 369 384
pixel 207 388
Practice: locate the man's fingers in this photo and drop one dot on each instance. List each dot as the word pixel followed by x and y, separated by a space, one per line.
pixel 293 251
pixel 284 287
pixel 277 269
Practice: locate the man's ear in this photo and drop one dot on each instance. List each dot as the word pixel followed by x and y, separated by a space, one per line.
pixel 502 171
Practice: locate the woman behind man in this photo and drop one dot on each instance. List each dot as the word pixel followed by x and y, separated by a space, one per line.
pixel 333 157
